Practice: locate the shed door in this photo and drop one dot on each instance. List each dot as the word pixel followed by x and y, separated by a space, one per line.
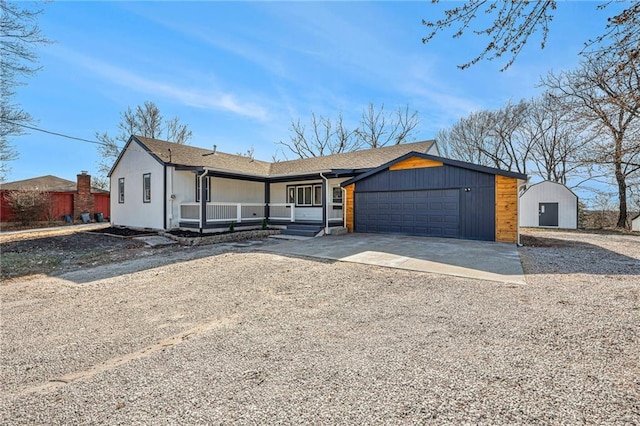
pixel 548 214
pixel 433 213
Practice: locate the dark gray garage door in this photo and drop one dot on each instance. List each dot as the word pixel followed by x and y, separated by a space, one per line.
pixel 433 213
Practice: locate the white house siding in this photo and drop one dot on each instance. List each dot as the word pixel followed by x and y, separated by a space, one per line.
pixel 278 193
pixel 133 164
pixel 236 191
pixel 549 192
pixel 182 185
pixel 635 224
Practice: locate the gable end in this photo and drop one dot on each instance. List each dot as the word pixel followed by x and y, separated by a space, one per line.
pixel 415 163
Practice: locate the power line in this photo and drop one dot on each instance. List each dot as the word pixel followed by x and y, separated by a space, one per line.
pixel 54 133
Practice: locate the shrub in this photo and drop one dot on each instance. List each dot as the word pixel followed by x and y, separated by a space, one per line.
pixel 30 205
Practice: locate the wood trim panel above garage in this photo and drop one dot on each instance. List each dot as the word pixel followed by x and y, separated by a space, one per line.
pixel 415 163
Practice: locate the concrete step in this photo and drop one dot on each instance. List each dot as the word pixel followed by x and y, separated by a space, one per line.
pixel 301 232
pixel 288 237
pixel 304 227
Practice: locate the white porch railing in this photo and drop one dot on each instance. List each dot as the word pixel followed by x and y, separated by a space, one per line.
pixel 239 212
pixel 223 212
pixel 190 212
pixel 282 211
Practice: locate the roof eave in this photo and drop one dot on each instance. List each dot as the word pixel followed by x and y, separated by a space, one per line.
pixel 455 163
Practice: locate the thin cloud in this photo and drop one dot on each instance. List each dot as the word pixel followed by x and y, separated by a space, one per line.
pixel 225 42
pixel 194 97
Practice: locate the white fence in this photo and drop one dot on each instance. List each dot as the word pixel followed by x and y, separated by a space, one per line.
pixel 282 211
pixel 239 212
pixel 223 212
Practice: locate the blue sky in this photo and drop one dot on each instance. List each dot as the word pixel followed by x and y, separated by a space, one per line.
pixel 237 73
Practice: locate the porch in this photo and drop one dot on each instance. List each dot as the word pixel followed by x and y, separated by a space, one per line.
pixel 222 214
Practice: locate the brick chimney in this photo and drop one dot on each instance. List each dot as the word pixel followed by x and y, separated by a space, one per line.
pixel 83 199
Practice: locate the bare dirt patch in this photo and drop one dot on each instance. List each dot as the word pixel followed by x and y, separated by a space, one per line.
pixel 121 232
pixel 54 252
pixel 541 237
pixel 52 255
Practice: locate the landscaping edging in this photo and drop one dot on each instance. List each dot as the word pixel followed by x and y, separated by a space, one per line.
pixel 257 234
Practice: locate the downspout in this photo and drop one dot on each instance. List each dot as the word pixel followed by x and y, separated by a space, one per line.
pixel 326 203
pixel 203 199
pixel 172 197
pixel 164 224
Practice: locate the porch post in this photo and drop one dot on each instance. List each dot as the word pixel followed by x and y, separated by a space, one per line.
pixel 239 213
pixel 203 201
pixel 267 199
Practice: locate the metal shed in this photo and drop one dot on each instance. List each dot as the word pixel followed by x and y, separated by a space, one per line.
pixel 549 204
pixel 425 195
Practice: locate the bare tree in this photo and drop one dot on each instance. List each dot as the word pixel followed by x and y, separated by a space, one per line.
pixel 491 138
pixel 601 104
pixel 603 208
pixel 468 138
pixel 556 140
pixel 19 35
pixel 326 136
pixel 514 22
pixel 146 121
pixel 378 129
pixel 249 153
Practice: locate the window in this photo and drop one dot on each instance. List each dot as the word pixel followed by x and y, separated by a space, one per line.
pixel 121 190
pixel 146 188
pixel 317 195
pixel 305 195
pixel 337 195
pixel 207 196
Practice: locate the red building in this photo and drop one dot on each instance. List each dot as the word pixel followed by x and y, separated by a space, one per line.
pixel 67 197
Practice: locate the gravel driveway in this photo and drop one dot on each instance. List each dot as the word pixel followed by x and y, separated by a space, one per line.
pixel 240 337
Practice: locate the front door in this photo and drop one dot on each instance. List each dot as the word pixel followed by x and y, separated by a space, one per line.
pixel 548 214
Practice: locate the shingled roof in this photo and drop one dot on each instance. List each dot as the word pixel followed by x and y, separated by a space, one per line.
pixel 190 156
pixel 184 155
pixel 47 183
pixel 363 159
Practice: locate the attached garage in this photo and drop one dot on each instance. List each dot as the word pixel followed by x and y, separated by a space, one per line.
pixel 423 195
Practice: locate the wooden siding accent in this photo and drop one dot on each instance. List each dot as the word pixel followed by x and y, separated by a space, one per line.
pixel 415 163
pixel 506 209
pixel 350 189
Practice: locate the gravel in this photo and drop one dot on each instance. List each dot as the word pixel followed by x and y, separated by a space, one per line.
pixel 240 337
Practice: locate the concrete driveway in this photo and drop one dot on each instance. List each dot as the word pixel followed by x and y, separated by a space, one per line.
pixel 463 258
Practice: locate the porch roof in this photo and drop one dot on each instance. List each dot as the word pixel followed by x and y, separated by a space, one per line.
pixel 193 157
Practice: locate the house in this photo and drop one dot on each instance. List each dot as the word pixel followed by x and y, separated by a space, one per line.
pixel 549 204
pixel 635 223
pixel 162 185
pixel 68 198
